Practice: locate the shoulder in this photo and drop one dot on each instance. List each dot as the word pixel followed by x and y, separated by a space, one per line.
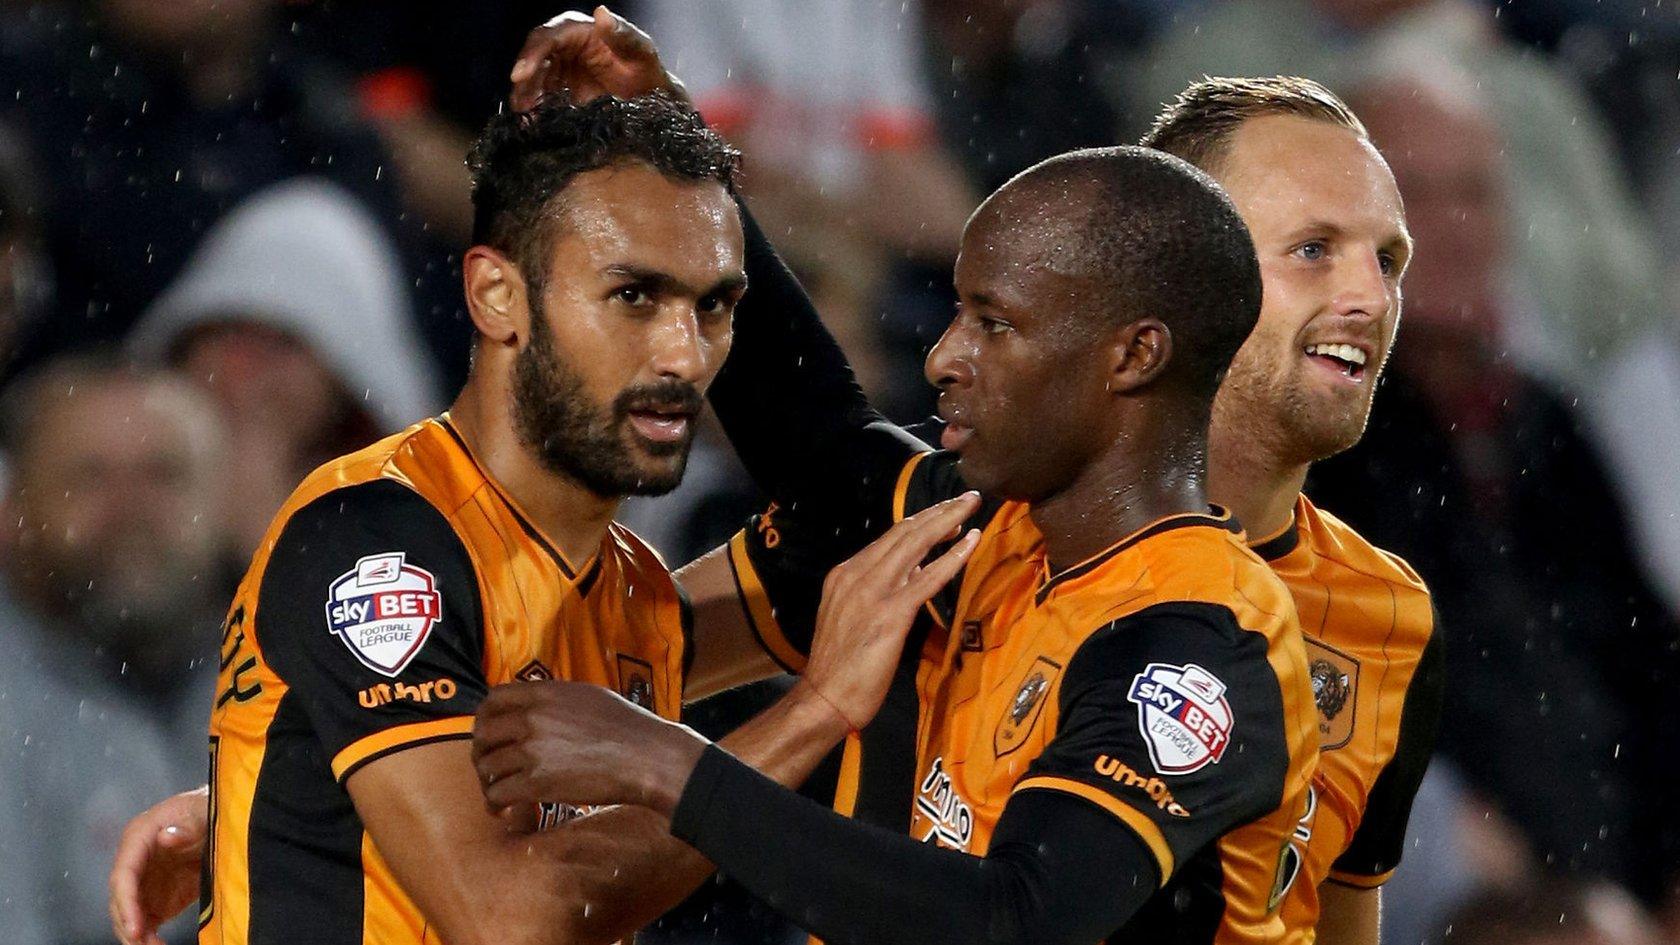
pixel 1353 559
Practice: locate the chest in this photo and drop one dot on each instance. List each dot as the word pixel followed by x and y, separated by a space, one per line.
pixel 987 691
pixel 617 624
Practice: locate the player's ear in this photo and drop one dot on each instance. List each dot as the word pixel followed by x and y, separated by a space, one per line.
pixel 497 296
pixel 1138 353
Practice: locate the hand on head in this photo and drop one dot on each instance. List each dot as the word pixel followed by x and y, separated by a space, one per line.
pixel 585 57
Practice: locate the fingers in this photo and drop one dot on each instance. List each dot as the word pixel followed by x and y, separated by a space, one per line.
pixel 516 788
pixel 918 534
pixel 545 51
pixel 133 850
pixel 927 580
pixel 622 36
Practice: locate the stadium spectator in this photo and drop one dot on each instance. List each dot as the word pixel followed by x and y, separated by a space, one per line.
pixel 1476 471
pixel 1016 81
pixel 109 598
pixel 293 315
pixel 1580 243
pixel 149 121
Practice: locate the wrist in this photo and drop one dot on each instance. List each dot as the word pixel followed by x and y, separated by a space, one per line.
pixel 667 765
pixel 816 713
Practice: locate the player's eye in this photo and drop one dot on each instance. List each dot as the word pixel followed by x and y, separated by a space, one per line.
pixel 1390 265
pixel 715 305
pixel 993 326
pixel 1313 250
pixel 633 295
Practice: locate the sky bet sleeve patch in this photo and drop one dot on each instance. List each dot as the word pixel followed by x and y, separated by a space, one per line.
pixel 383 609
pixel 369 612
pixel 1171 719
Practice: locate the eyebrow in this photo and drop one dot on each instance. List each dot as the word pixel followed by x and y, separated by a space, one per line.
pixel 666 283
pixel 1400 238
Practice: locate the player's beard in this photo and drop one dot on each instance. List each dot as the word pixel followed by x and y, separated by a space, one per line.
pixel 575 438
pixel 1273 415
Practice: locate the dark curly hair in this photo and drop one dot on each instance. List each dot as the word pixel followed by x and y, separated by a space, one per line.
pixel 524 160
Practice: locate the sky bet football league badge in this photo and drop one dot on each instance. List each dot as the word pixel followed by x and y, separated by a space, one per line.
pixel 1183 716
pixel 383 609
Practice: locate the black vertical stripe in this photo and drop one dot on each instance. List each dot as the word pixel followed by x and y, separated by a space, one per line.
pixel 305 843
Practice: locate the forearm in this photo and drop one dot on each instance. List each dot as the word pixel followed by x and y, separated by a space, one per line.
pixel 1348 916
pixel 789 401
pixel 1064 872
pixel 623 864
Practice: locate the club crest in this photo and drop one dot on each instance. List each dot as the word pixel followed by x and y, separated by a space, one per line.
pixel 635 681
pixel 1025 707
pixel 1335 684
pixel 384 609
pixel 1183 715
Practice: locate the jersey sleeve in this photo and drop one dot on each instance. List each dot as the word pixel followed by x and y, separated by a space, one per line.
pixel 1172 721
pixel 369 611
pixel 1375 848
pixel 782 557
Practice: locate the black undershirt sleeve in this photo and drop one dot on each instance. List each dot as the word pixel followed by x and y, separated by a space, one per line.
pixel 794 411
pixel 1059 872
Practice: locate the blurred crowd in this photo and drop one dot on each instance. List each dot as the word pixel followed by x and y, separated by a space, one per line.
pixel 229 244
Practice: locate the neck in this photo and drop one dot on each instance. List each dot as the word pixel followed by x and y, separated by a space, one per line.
pixel 569 515
pixel 1136 481
pixel 1261 495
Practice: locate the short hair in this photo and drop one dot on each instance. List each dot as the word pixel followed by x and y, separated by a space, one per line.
pixel 1199 122
pixel 523 161
pixel 1156 237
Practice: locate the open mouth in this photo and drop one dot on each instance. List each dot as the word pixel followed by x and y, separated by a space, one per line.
pixel 955 436
pixel 1347 360
pixel 662 425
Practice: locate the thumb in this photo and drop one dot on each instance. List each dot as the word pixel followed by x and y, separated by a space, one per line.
pixel 173 837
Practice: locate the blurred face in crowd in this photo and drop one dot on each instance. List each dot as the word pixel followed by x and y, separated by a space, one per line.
pixel 266 383
pixel 1446 159
pixel 629 325
pixel 1330 233
pixel 284 410
pixel 115 491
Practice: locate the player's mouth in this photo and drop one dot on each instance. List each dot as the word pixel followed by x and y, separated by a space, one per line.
pixel 957 432
pixel 662 424
pixel 1346 360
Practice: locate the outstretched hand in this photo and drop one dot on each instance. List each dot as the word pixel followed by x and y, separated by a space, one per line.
pixel 584 57
pixel 870 601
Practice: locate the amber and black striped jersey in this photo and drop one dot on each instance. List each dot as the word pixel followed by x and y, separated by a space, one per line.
pixel 1375 658
pixel 1162 681
pixel 395 586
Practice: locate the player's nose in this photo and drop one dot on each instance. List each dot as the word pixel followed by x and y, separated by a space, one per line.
pixel 677 347
pixel 951 362
pixel 1362 287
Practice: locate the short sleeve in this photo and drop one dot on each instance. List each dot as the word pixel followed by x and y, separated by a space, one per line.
pixel 1171 720
pixel 1377 843
pixel 369 611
